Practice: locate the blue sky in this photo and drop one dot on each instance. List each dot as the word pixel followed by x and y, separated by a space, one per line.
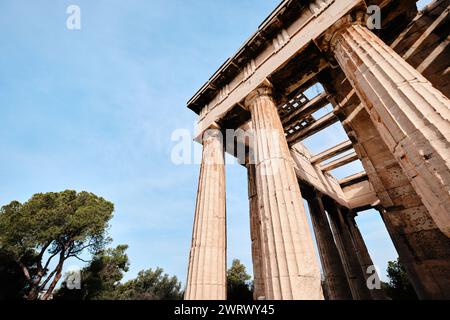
pixel 94 110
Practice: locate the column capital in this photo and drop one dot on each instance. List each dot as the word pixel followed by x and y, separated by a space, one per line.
pixel 265 89
pixel 328 40
pixel 213 129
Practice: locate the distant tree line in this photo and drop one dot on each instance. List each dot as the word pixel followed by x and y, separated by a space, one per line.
pixel 38 236
pixel 101 280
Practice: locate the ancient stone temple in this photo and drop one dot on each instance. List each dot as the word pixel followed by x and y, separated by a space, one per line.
pixel 389 87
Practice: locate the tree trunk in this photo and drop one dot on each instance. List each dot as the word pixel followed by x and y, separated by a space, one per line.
pixel 52 285
pixel 33 294
pixel 57 276
pixel 34 284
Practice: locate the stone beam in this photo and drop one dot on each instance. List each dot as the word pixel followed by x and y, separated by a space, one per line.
pixel 360 195
pixel 308 109
pixel 320 124
pixel 354 193
pixel 340 162
pixel 359 192
pixel 312 176
pixel 332 152
pixel 353 179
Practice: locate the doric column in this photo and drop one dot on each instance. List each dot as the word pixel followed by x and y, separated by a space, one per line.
pixel 333 270
pixel 255 233
pixel 423 250
pixel 291 270
pixel 207 261
pixel 352 267
pixel 364 257
pixel 412 116
pixel 407 220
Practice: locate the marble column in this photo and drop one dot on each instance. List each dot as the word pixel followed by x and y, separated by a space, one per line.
pixel 255 233
pixel 364 257
pixel 290 266
pixel 207 261
pixel 352 267
pixel 333 270
pixel 423 251
pixel 412 117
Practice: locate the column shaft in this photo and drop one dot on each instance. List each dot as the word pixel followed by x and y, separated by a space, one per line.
pixel 412 116
pixel 352 267
pixel 255 233
pixel 207 261
pixel 333 270
pixel 364 257
pixel 291 269
pixel 423 250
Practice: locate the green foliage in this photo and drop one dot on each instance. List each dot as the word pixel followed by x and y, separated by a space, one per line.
pixel 239 286
pixel 151 285
pixel 100 279
pixel 13 282
pixel 50 225
pixel 399 286
pixel 104 273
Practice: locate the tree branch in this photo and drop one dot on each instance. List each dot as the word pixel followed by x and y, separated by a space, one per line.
pixel 25 272
pixel 41 254
pixel 75 256
pixel 49 260
pixel 80 249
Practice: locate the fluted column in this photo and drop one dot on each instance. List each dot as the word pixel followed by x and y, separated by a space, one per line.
pixel 207 261
pixel 291 270
pixel 352 267
pixel 364 256
pixel 412 116
pixel 423 250
pixel 331 262
pixel 255 233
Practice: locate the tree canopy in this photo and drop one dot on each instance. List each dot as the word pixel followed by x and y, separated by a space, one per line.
pixel 51 226
pixel 151 285
pixel 399 286
pixel 100 280
pixel 239 286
